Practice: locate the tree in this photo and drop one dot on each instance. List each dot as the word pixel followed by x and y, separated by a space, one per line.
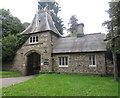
pixel 113 37
pixel 54 7
pixel 0 50
pixel 10 24
pixel 11 37
pixel 26 24
pixel 73 22
pixel 9 44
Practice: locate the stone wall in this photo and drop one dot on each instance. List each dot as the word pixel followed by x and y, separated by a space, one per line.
pixel 110 68
pixel 7 67
pixel 79 63
pixel 43 47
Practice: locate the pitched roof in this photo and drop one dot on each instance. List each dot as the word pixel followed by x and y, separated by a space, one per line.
pixel 87 43
pixel 41 22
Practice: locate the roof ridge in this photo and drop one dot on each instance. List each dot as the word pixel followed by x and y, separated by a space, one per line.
pixel 93 33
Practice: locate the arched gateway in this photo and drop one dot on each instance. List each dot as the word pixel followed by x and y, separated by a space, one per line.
pixel 33 63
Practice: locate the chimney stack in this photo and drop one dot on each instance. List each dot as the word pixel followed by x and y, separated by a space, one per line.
pixel 80 28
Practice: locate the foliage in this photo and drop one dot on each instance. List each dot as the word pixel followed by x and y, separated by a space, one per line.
pixel 11 37
pixel 64 85
pixel 113 25
pixel 10 24
pixel 114 13
pixel 108 54
pixel 0 50
pixel 118 45
pixel 26 24
pixel 6 74
pixel 73 22
pixel 21 40
pixel 113 37
pixel 9 44
pixel 73 34
pixel 54 7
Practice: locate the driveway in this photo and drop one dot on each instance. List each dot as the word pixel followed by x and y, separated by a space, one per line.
pixel 11 81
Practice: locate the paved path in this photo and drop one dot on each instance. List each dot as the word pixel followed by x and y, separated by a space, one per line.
pixel 11 81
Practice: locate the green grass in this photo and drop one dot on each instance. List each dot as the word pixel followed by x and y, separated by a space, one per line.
pixel 64 85
pixel 7 74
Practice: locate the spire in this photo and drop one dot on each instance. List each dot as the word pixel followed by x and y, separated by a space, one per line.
pixel 42 22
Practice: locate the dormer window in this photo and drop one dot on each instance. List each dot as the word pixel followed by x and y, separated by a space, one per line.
pixel 33 39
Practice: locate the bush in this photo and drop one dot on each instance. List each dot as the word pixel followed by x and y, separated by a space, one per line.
pixel 9 44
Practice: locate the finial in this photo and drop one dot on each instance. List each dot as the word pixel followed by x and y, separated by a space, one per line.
pixel 47 9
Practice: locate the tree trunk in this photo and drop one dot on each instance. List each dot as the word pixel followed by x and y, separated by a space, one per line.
pixel 114 60
pixel 115 66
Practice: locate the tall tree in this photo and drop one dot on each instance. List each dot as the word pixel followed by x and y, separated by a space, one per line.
pixel 10 24
pixel 73 22
pixel 54 7
pixel 11 38
pixel 113 36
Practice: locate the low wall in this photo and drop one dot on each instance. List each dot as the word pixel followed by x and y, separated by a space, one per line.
pixel 7 67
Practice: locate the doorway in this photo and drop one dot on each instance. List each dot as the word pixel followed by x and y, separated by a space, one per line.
pixel 33 63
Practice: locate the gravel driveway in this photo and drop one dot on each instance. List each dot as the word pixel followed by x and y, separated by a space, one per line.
pixel 11 81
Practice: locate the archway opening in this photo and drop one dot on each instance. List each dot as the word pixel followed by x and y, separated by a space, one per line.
pixel 33 63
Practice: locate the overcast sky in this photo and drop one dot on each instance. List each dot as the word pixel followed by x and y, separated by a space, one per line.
pixel 90 12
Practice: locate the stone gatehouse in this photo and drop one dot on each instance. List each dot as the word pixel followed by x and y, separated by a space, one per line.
pixel 47 51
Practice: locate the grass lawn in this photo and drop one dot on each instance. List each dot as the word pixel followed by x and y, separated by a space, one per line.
pixel 6 74
pixel 64 85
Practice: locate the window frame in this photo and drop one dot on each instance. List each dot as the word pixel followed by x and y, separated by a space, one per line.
pixel 92 61
pixel 33 38
pixel 63 61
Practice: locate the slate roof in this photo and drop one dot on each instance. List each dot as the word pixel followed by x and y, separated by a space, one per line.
pixel 41 22
pixel 87 43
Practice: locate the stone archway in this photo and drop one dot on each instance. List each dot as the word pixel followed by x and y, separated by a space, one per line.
pixel 33 63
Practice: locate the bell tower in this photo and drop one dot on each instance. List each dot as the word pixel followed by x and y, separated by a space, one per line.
pixel 42 34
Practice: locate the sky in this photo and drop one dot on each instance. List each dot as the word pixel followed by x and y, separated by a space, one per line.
pixel 90 12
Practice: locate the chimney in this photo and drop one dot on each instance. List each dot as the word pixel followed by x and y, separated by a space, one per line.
pixel 80 28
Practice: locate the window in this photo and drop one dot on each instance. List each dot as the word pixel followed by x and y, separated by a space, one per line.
pixel 36 38
pixel 30 39
pixel 92 59
pixel 33 39
pixel 63 61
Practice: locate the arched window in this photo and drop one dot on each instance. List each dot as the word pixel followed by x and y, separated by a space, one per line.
pixel 33 39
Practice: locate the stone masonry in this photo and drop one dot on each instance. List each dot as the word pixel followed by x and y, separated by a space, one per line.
pixel 51 45
pixel 79 63
pixel 43 47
